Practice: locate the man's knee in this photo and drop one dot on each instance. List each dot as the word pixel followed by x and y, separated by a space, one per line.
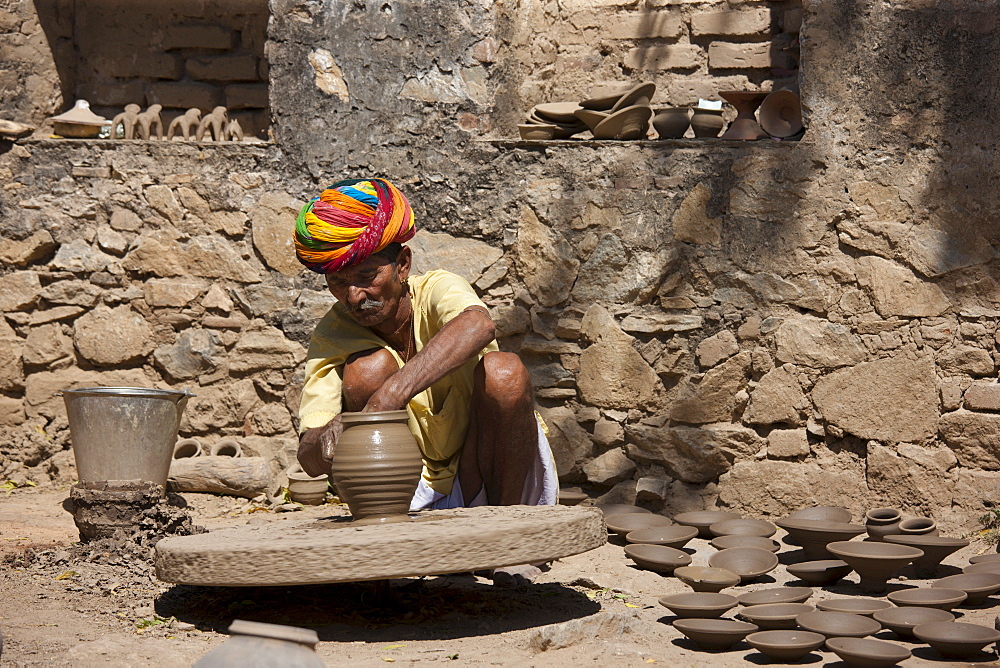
pixel 504 378
pixel 364 373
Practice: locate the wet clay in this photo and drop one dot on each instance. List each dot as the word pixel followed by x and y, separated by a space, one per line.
pixel 443 541
pixel 376 466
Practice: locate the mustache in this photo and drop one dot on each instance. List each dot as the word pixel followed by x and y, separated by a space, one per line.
pixel 366 305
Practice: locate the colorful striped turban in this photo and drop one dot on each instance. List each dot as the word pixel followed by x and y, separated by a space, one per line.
pixel 349 222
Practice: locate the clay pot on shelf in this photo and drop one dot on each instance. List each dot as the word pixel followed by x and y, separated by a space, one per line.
pixel 882 522
pixel 780 114
pixel 671 123
pixel 706 123
pixel 918 526
pixel 376 466
pixel 744 127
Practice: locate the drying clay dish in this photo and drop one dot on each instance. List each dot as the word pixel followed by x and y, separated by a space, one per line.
pixel 714 633
pixel 671 536
pixel 775 616
pixel 759 542
pixel 590 118
pixel 640 95
pixel 624 524
pixel 748 562
pixel 698 605
pixel 560 112
pixel 626 124
pixel 820 573
pixel 823 514
pixel 621 509
pixel 743 527
pixel 703 519
pixel 867 652
pixel 978 586
pixel 935 549
pixel 776 595
pixel 874 562
pixel 902 621
pixel 983 567
pixel 603 99
pixel 815 535
pixel 700 578
pixel 838 624
pixel 780 114
pixel 984 558
pixel 956 639
pixel 571 498
pixel 855 606
pixel 784 646
pixel 928 597
pixel 657 558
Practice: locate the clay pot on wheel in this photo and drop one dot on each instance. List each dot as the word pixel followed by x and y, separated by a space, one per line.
pixel 882 522
pixel 376 466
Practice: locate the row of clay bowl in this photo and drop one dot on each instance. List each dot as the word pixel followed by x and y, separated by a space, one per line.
pixel 777 621
pixel 622 114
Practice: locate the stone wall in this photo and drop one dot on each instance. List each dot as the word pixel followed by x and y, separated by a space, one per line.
pixel 755 325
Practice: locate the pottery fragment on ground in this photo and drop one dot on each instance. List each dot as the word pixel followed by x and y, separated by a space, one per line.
pixel 703 519
pixel 902 621
pixel 882 522
pixel 838 624
pixel 79 122
pixel 978 586
pixel 776 595
pixel 700 578
pixel 657 558
pixel 701 605
pixel 748 562
pixel 875 563
pixel 628 522
pixel 867 652
pixel 928 597
pixel 775 616
pixel 935 549
pixel 956 639
pixel 821 572
pixel 743 527
pixel 714 633
pixel 670 536
pixel 759 542
pixel 856 606
pixel 787 646
pixel 815 535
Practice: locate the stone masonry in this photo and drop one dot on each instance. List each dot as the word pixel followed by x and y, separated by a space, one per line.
pixel 757 326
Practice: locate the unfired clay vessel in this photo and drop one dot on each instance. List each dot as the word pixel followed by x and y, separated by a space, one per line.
pixel 628 522
pixel 824 513
pixel 260 644
pixel 875 563
pixel 820 572
pixel 376 466
pixel 856 606
pixel 775 616
pixel 928 597
pixel 776 595
pixel 703 519
pixel 815 535
pixel 657 558
pixel 624 124
pixel 706 123
pixel 748 562
pixel 698 605
pixel 714 633
pixel 780 114
pixel 935 549
pixel 883 522
pixel 838 624
pixel 671 122
pixel 743 527
pixel 759 542
pixel 956 639
pixel 983 567
pixel 785 645
pixel 867 652
pixel 188 447
pixel 744 126
pixel 902 621
pixel 978 586
pixel 918 526
pixel 621 508
pixel 700 578
pixel 670 536
pixel 984 558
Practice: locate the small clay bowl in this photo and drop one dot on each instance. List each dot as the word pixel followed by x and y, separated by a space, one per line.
pixel 820 573
pixel 985 558
pixel 978 586
pixel 703 519
pixel 918 526
pixel 867 652
pixel 823 514
pixel 571 498
pixel 902 621
pixel 785 646
pixel 928 597
pixel 537 131
pixel 671 536
pixel 776 595
pixel 838 624
pixel 956 639
pixel 775 616
pixel 714 633
pixel 983 567
pixel 621 509
pixel 856 606
pixel 748 562
pixel 657 558
pixel 700 578
pixel 698 605
pixel 759 542
pixel 743 527
pixel 623 524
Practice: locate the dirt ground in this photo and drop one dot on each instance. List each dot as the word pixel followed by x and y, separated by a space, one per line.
pixel 59 610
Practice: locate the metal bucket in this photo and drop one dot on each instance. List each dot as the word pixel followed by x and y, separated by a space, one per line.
pixel 124 433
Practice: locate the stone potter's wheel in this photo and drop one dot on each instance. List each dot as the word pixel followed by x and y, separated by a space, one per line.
pixel 334 550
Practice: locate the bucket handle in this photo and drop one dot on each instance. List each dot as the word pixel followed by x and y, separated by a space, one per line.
pixel 186 392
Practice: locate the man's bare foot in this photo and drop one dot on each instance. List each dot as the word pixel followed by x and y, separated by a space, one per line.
pixel 516 576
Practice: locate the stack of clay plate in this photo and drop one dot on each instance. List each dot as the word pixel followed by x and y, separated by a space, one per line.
pixel 555 117
pixel 621 114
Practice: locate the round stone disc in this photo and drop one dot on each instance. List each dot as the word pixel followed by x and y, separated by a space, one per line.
pixel 334 550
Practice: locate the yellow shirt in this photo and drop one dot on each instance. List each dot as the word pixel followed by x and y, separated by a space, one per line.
pixel 439 416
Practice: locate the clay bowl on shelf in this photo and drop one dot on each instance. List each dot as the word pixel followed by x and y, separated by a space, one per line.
pixel 983 567
pixel 639 95
pixel 984 558
pixel 823 514
pixel 602 99
pixel 537 131
pixel 590 118
pixel 874 562
pixel 867 652
pixel 712 580
pixel 774 616
pixel 703 519
pixel 978 586
pixel 657 558
pixel 785 646
pixel 671 536
pixel 560 112
pixel 956 639
pixel 935 549
pixel 856 606
pixel 780 114
pixel 701 605
pixel 627 522
pixel 568 497
pixel 625 124
pixel 776 595
pixel 902 621
pixel 748 562
pixel 928 597
pixel 820 573
pixel 671 122
pixel 759 542
pixel 815 535
pixel 838 624
pixel 743 527
pixel 714 633
pixel 621 509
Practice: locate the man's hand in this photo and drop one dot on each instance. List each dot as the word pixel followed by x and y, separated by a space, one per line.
pixel 316 447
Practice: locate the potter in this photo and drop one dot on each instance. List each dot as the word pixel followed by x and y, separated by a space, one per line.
pixel 421 343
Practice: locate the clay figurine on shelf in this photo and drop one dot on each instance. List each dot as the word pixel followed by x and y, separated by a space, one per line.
pixel 213 124
pixel 234 132
pixel 148 120
pixel 187 124
pixel 128 119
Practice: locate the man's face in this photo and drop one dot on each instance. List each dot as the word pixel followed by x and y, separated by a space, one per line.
pixel 371 290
